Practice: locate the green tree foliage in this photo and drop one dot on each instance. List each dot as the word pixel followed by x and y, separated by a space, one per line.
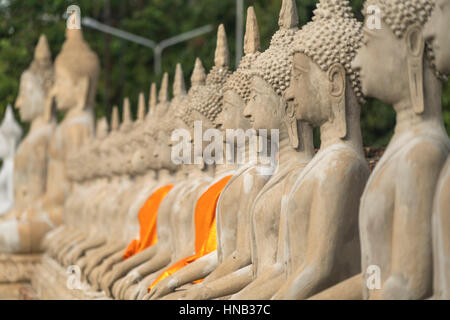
pixel 127 68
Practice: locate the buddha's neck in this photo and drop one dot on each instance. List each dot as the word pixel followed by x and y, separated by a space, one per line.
pixel 221 169
pixel 37 123
pixel 353 138
pixel 288 154
pixel 408 119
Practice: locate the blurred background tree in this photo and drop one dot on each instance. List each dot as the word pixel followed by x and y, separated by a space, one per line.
pixel 127 68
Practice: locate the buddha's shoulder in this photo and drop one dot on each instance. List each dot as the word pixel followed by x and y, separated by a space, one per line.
pixel 425 151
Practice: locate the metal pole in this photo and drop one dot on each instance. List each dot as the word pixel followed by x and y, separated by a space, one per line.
pixel 239 30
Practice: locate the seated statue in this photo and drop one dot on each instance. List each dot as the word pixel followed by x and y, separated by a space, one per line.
pixel 74 88
pixel 395 213
pixel 265 83
pixel 204 103
pixel 320 237
pixel 30 172
pixel 10 134
pixel 232 208
pixel 436 33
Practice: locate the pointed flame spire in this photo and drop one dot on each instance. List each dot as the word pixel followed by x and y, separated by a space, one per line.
pixel 126 116
pixel 252 42
pixel 164 91
pixel 115 119
pixel 198 75
pixel 179 87
pixel 222 56
pixel 42 51
pixel 288 15
pixel 102 128
pixel 153 99
pixel 141 107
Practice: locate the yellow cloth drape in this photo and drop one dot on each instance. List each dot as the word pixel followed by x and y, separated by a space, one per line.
pixel 205 228
pixel 147 222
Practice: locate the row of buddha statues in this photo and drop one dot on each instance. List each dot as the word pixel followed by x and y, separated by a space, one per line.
pixel 108 198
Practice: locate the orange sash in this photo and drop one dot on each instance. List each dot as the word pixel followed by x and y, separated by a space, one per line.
pixel 205 228
pixel 147 222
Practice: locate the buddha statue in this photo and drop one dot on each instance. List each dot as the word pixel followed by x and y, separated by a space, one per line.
pixel 10 134
pixel 35 84
pixel 68 233
pixel 325 92
pixel 134 199
pixel 416 152
pixel 156 159
pixel 204 104
pixel 100 209
pixel 74 88
pixel 232 215
pixel 436 34
pixel 394 204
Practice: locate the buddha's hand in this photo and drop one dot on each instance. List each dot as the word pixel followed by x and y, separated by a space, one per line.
pixel 163 288
pixel 282 294
pixel 196 293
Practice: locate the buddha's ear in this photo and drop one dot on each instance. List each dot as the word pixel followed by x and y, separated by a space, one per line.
pixel 290 121
pixel 338 83
pixel 415 47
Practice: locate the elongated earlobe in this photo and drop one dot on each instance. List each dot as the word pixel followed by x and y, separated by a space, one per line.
pixel 415 46
pixel 337 77
pixel 291 124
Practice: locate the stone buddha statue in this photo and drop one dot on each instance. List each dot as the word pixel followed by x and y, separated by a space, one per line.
pixel 325 93
pixel 74 88
pixel 35 84
pixel 10 134
pixel 265 108
pixel 93 152
pixel 397 201
pixel 104 212
pixel 436 34
pixel 160 160
pixel 416 152
pixel 232 209
pixel 203 105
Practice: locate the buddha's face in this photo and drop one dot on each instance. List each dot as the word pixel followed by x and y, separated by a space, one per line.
pixel 232 115
pixel 264 110
pixel 309 91
pixel 437 33
pixel 162 153
pixel 65 90
pixel 381 59
pixel 31 98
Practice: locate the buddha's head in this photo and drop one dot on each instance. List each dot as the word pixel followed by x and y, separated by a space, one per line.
pixel 237 88
pixel 436 33
pixel 76 73
pixel 11 133
pixel 35 83
pixel 270 76
pixel 322 80
pixel 392 59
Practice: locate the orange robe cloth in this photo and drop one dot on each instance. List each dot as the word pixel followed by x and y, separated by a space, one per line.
pixel 205 228
pixel 147 222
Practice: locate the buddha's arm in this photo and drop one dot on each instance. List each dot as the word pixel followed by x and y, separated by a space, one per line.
pixel 126 266
pixel 238 260
pixel 328 212
pixel 192 272
pixel 230 284
pixel 411 260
